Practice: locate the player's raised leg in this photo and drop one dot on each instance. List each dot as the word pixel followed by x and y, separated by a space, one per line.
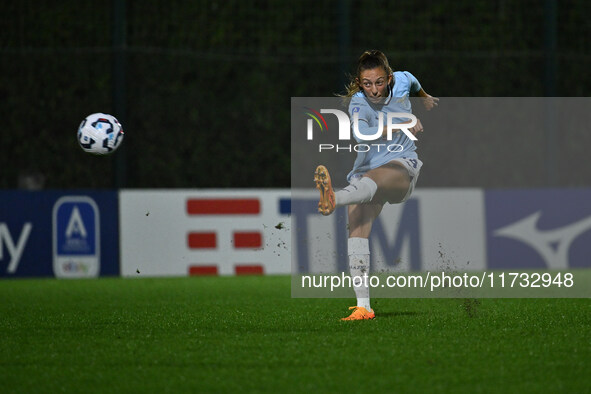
pixel 360 191
pixel 326 205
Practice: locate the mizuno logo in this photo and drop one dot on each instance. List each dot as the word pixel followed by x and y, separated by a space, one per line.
pixel 553 245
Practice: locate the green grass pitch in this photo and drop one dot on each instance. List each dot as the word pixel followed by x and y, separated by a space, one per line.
pixel 236 334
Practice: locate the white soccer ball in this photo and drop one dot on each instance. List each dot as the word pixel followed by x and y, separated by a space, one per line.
pixel 100 134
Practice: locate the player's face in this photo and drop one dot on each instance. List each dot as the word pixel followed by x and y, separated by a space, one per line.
pixel 375 82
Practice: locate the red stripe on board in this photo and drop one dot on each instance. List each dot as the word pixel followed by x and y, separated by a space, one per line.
pixel 203 270
pixel 253 269
pixel 223 206
pixel 251 239
pixel 202 240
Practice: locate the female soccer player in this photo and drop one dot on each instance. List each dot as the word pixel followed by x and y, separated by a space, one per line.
pixel 378 175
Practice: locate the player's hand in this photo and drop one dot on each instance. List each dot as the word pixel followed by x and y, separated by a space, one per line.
pixel 430 102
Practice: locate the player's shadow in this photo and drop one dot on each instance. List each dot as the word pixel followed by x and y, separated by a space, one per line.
pixel 399 314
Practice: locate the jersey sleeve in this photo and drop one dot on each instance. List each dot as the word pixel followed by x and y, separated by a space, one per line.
pixel 415 85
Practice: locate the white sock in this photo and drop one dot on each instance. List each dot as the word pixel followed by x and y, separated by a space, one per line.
pixel 356 193
pixel 358 250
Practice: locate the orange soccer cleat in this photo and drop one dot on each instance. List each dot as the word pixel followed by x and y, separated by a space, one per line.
pixel 360 313
pixel 326 205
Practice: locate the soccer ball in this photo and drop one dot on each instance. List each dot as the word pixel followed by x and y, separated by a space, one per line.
pixel 100 134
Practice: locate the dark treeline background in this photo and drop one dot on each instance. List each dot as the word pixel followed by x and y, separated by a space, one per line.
pixel 203 88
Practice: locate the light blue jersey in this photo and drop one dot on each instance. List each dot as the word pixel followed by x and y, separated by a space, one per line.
pixel 382 151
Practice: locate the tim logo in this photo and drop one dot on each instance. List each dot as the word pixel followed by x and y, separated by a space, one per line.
pixel 345 124
pixel 76 237
pixel 539 229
